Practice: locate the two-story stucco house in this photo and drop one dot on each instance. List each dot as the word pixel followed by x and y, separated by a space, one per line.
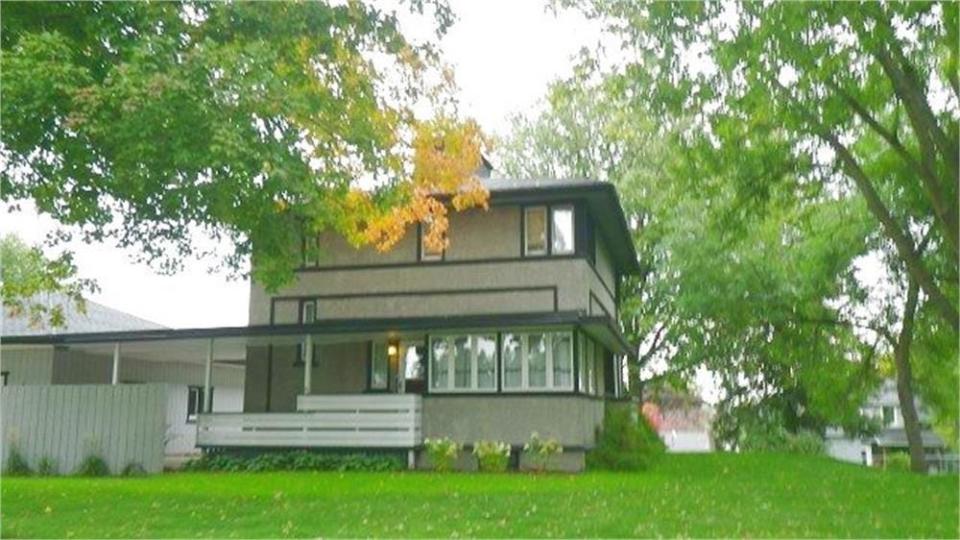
pixel 512 329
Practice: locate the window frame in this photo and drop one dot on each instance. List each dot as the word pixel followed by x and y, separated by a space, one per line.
pixel 549 222
pixel 550 386
pixel 450 386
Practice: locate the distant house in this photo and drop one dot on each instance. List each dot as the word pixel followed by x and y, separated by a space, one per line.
pixel 683 421
pixel 884 406
pixel 42 355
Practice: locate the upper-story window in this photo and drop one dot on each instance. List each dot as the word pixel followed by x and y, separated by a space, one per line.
pixel 308 311
pixel 538 220
pixel 561 219
pixel 426 252
pixel 535 230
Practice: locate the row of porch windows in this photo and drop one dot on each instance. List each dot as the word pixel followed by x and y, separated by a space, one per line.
pixel 530 362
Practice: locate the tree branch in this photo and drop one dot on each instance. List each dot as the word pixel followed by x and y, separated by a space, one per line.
pixel 946 216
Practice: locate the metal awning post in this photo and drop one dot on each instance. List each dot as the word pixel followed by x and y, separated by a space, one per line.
pixel 307 363
pixel 207 376
pixel 115 376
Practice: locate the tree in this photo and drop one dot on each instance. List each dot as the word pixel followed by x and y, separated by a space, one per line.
pixel 786 96
pixel 256 123
pixel 29 277
pixel 745 296
pixel 817 76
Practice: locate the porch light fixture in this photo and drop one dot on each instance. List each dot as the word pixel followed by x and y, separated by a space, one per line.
pixel 392 349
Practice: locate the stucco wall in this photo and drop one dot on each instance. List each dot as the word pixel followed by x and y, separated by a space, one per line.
pixel 570 419
pixel 355 288
pixel 27 365
pixel 518 286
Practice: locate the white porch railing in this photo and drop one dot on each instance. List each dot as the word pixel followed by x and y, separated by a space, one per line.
pixel 332 421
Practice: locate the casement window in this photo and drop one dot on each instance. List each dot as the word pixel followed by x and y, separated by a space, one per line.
pixel 548 230
pixel 426 252
pixel 379 368
pixel 591 358
pixel 308 311
pixel 535 230
pixel 561 221
pixel 310 250
pixel 537 361
pixel 195 402
pixel 463 363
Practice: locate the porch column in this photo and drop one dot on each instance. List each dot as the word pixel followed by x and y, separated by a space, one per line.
pixel 207 376
pixel 115 376
pixel 307 363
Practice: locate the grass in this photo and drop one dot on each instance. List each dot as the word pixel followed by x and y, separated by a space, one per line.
pixel 695 495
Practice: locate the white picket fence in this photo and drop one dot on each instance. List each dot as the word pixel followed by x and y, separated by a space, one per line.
pixel 341 421
pixel 123 424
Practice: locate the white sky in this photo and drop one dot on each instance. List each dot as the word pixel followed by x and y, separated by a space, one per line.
pixel 504 53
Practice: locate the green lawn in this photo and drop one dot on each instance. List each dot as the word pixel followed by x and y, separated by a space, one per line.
pixel 709 495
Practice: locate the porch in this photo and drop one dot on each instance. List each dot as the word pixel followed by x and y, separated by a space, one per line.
pixel 330 421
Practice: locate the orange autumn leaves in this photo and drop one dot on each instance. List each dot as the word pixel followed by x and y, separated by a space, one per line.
pixel 446 156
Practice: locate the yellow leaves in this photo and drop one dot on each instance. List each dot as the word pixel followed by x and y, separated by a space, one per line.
pixel 447 154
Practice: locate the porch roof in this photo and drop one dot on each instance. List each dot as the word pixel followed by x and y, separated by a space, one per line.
pixel 599 327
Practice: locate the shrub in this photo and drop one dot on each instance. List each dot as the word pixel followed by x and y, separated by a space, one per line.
pixel 47 466
pixel 492 456
pixel 93 465
pixel 539 451
pixel 133 469
pixel 778 439
pixel 898 461
pixel 300 460
pixel 625 442
pixel 805 442
pixel 443 453
pixel 17 464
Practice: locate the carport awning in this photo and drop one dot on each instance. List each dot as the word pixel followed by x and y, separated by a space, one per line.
pixel 232 340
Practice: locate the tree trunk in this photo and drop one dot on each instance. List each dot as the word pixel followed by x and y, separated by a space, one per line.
pixel 908 408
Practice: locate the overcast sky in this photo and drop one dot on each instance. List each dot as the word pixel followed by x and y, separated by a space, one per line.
pixel 504 52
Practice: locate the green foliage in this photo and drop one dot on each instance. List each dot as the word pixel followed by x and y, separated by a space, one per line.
pixel 625 442
pixel 93 465
pixel 30 280
pixel 47 466
pixel 539 451
pixel 443 453
pixel 492 456
pixel 17 464
pixel 250 123
pixel 133 469
pixel 897 461
pixel 721 495
pixel 778 439
pixel 300 460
